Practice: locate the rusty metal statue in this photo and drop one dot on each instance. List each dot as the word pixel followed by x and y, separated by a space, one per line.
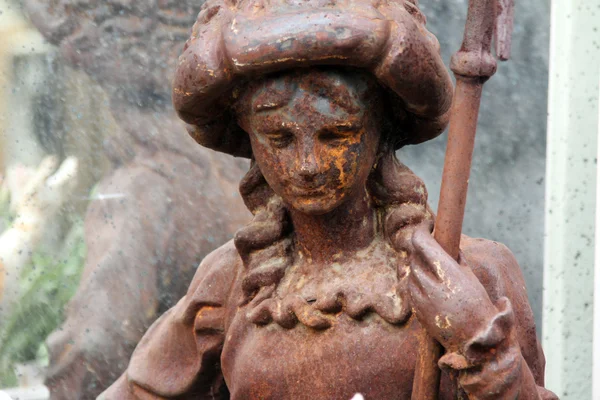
pixel 326 293
pixel 165 204
pixel 472 65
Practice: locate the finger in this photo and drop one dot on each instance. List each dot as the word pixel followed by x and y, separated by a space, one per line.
pixel 429 252
pixel 418 298
pixel 403 215
pixel 429 286
pixel 425 306
pixel 401 223
pixel 416 284
pixel 423 240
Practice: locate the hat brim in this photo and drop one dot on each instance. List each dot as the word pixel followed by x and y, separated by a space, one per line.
pixel 227 49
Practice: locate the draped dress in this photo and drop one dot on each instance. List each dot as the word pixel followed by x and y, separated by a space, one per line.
pixel 341 331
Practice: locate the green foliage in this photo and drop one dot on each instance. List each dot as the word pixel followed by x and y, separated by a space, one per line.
pixel 6 216
pixel 47 284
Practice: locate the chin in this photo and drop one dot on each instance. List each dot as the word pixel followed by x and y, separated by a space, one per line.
pixel 315 206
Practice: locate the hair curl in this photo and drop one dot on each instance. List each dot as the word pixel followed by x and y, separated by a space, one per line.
pixel 266 244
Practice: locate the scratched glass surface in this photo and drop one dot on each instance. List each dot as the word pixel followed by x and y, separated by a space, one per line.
pixel 95 168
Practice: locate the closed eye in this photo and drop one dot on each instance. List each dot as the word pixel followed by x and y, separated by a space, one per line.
pixel 338 133
pixel 280 138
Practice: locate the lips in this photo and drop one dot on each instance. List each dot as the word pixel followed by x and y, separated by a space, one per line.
pixel 307 190
pixel 308 186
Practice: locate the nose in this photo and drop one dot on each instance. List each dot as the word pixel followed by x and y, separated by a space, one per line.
pixel 308 162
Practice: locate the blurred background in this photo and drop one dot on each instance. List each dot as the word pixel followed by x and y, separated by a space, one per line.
pixel 81 114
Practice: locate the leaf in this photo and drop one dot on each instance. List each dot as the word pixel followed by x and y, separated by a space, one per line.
pixel 47 284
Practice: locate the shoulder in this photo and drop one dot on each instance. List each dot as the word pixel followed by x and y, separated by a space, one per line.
pixel 189 335
pixel 496 267
pixel 498 270
pixel 215 275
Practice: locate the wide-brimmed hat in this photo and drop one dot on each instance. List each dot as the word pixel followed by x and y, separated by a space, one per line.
pixel 232 42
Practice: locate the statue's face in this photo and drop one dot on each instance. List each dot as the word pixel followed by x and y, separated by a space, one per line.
pixel 314 136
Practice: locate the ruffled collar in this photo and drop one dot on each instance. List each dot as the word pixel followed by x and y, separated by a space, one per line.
pixel 372 282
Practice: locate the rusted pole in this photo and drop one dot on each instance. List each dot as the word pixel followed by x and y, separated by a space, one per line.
pixel 472 65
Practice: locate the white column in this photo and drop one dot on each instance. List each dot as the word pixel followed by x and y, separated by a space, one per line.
pixel 571 197
pixel 596 359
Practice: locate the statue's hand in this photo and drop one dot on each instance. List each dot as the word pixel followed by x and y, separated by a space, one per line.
pixel 448 299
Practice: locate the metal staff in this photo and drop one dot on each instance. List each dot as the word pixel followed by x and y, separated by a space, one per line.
pixel 472 65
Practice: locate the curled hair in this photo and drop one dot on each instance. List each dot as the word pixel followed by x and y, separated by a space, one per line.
pixel 266 244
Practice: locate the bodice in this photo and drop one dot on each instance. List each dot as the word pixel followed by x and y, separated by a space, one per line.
pixel 371 357
pixel 209 339
pixel 353 333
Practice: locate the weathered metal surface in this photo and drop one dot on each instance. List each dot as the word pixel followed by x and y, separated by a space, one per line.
pixel 472 65
pixel 165 204
pixel 325 292
pixel 381 39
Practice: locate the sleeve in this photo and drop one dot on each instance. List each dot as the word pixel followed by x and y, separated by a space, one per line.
pixel 504 361
pixel 179 354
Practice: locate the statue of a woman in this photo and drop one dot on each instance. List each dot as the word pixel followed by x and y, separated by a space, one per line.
pixel 324 293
